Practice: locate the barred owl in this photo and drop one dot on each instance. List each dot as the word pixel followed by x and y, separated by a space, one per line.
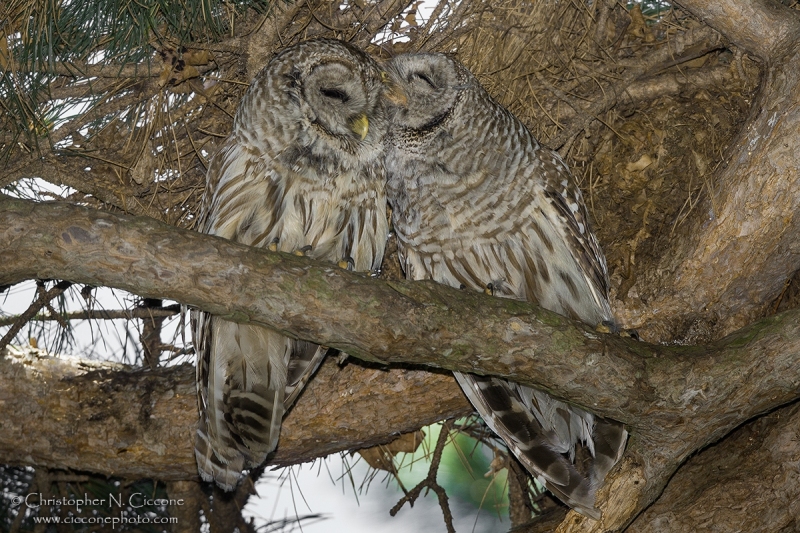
pixel 301 172
pixel 477 203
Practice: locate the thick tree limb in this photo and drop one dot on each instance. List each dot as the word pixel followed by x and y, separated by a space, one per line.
pixel 759 26
pixel 732 258
pixel 675 399
pixel 755 471
pixel 393 322
pixel 134 423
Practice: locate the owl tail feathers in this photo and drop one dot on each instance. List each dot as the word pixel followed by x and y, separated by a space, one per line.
pixel 255 418
pixel 212 468
pixel 304 362
pixel 529 441
pixel 249 434
pixel 609 438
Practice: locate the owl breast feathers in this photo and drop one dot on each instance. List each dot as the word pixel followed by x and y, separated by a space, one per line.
pixel 301 172
pixel 478 203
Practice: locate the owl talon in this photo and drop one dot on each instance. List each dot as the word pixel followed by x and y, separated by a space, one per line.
pixel 303 251
pixel 632 333
pixel 273 246
pixel 347 263
pixel 489 290
pixel 606 326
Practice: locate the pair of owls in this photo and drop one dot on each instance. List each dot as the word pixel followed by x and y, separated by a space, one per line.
pixel 323 137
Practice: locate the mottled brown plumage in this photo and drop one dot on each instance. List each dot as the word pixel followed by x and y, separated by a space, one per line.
pixel 301 172
pixel 478 203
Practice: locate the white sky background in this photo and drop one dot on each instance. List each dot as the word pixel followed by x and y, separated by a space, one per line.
pixel 356 511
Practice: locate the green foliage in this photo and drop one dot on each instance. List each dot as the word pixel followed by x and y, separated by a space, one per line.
pixel 41 39
pixel 466 473
pixel 120 30
pixel 462 471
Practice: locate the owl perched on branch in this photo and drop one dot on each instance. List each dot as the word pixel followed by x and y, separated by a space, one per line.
pixel 301 172
pixel 477 203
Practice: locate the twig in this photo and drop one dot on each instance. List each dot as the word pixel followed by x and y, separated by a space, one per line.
pixel 40 302
pixel 430 481
pixel 150 336
pixel 99 314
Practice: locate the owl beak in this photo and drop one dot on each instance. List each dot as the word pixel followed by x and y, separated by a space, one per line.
pixel 393 92
pixel 360 126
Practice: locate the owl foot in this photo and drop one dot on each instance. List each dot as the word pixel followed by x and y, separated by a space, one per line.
pixel 303 251
pixel 347 263
pixel 632 333
pixel 607 326
pixel 273 246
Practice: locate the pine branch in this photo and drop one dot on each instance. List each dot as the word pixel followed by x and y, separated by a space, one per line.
pixel 98 314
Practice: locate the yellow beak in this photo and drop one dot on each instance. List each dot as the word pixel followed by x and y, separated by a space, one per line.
pixel 360 126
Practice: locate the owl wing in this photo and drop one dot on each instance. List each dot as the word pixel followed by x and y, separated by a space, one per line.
pixel 566 200
pixel 539 447
pixel 516 238
pixel 568 216
pixel 524 229
pixel 241 369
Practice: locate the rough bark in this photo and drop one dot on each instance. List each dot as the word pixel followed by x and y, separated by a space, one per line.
pixel 759 26
pixel 743 242
pixel 675 400
pixel 754 471
pixel 132 423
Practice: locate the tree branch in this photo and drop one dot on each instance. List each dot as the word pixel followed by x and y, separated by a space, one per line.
pixel 133 423
pixel 675 399
pixel 97 314
pixel 754 471
pixel 373 320
pixel 758 26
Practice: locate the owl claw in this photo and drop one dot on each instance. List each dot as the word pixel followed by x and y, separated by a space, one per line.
pixel 606 326
pixel 273 246
pixel 632 333
pixel 303 251
pixel 489 290
pixel 347 263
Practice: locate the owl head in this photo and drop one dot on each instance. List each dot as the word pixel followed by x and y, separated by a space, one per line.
pixel 320 94
pixel 433 85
